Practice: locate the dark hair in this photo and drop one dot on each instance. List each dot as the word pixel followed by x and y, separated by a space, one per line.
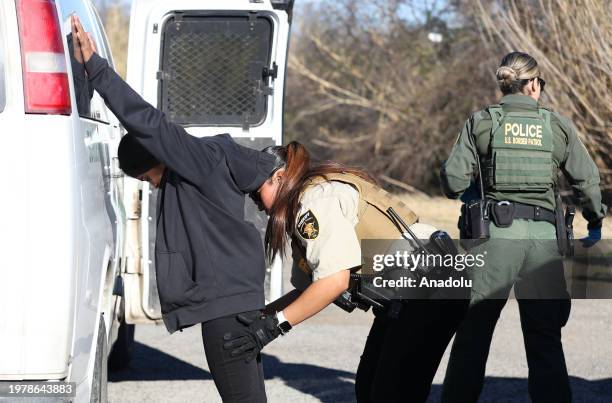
pixel 295 159
pixel 134 159
pixel 514 72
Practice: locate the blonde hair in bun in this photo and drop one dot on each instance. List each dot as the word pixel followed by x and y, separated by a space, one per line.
pixel 515 70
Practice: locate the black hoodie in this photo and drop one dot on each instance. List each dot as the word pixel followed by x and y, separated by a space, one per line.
pixel 209 260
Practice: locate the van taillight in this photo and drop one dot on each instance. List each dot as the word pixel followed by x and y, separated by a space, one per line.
pixel 43 62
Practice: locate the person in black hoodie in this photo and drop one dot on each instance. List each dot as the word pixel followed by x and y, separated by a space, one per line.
pixel 210 262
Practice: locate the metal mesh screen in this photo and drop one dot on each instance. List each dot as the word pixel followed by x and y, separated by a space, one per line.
pixel 212 69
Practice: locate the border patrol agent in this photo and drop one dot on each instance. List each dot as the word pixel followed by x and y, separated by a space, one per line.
pixel 519 146
pixel 327 210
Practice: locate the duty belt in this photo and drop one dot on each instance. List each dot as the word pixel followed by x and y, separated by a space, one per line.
pixel 527 211
pixel 535 213
pixel 524 211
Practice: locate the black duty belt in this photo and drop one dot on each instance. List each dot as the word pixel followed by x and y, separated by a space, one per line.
pixel 535 213
pixel 527 211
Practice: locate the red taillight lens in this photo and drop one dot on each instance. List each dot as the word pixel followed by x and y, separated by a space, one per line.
pixel 45 78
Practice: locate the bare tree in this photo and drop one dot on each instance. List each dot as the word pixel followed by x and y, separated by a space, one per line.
pixel 116 21
pixel 572 42
pixel 384 85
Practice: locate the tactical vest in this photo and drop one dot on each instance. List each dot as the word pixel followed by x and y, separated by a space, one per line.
pixel 520 156
pixel 374 221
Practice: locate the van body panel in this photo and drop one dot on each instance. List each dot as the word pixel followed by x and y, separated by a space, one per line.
pixel 36 276
pixel 57 239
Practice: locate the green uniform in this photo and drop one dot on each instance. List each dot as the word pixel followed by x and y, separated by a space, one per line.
pixel 524 254
pixel 569 155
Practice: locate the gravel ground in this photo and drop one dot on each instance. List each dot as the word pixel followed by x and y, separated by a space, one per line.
pixel 317 361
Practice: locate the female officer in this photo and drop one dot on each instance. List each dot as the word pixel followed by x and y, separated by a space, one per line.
pixel 326 210
pixel 210 265
pixel 519 146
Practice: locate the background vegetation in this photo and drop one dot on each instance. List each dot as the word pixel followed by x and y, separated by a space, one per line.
pixel 387 84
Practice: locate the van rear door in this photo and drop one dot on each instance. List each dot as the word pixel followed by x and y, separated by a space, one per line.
pixel 214 67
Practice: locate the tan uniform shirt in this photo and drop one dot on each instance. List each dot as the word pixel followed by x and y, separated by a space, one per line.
pixel 325 229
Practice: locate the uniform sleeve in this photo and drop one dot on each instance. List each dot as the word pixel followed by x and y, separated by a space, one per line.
pixel 583 175
pixel 457 170
pixel 333 246
pixel 169 143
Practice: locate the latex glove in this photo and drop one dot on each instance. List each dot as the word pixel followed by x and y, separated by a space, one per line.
pixel 593 237
pixel 258 332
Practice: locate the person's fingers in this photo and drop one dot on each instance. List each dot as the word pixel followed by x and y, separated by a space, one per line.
pixel 79 30
pixel 245 320
pixel 587 242
pixel 75 34
pixel 238 342
pixel 92 43
pixel 232 335
pixel 250 356
pixel 242 350
pixel 77 23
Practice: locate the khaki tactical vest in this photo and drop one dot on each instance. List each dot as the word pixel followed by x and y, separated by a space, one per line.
pixel 374 221
pixel 520 157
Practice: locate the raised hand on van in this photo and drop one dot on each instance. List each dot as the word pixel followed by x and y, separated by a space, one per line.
pixel 84 45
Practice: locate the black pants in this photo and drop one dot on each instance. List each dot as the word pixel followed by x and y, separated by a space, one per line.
pixel 541 322
pixel 401 355
pixel 236 380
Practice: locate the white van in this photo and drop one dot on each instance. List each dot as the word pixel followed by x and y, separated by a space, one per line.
pixel 63 222
pixel 77 237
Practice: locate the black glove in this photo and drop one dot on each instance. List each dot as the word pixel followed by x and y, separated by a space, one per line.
pixel 248 342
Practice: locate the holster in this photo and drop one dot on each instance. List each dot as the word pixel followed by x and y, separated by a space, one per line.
pixel 474 223
pixel 570 212
pixel 564 227
pixel 348 302
pixel 363 294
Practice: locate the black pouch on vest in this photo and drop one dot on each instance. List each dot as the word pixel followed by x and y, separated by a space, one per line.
pixel 503 213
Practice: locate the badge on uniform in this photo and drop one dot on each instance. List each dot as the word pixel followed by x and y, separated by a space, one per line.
pixel 308 226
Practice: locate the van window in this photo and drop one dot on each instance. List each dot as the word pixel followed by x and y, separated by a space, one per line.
pixel 213 69
pixel 88 102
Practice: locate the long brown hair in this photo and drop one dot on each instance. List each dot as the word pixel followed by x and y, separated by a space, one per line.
pixel 295 159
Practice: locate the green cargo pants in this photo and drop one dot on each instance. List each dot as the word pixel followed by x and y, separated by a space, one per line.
pixel 525 256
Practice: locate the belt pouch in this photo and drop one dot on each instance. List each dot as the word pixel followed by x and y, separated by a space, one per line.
pixel 503 213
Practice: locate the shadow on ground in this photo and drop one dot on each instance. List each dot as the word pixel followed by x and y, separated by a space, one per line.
pixel 326 384
pixel 514 390
pixel 331 385
pixel 150 364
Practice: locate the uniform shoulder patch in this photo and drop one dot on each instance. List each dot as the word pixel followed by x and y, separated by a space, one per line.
pixel 308 226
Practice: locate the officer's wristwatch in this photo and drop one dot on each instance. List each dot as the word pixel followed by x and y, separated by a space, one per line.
pixel 283 323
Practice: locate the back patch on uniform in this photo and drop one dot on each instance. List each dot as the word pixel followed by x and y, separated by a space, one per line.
pixel 308 226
